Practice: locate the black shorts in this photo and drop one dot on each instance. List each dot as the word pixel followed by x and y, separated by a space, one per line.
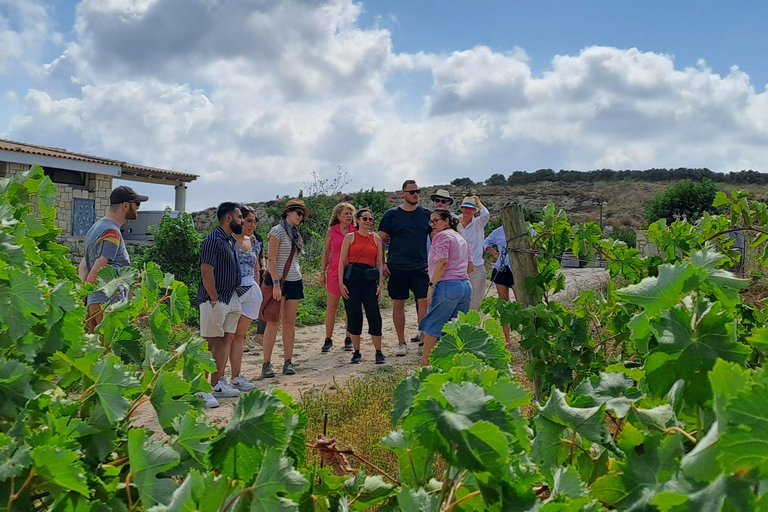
pixel 503 277
pixel 401 282
pixel 293 290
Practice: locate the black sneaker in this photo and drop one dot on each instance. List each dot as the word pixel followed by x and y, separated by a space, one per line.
pixel 380 357
pixel 289 368
pixel 416 338
pixel 348 344
pixel 328 345
pixel 266 371
pixel 356 357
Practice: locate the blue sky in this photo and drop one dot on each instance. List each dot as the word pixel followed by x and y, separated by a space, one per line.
pixel 254 95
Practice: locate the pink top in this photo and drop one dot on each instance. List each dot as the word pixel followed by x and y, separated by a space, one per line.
pixel 449 244
pixel 337 238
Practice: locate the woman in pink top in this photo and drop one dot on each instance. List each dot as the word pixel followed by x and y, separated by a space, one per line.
pixel 449 266
pixel 341 224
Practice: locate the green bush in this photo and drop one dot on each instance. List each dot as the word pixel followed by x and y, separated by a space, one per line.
pixel 312 307
pixel 626 235
pixel 376 201
pixel 177 250
pixel 687 198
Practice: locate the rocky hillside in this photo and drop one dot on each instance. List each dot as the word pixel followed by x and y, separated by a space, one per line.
pixel 624 200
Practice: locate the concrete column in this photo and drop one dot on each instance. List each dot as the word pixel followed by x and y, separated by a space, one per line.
pixel 181 198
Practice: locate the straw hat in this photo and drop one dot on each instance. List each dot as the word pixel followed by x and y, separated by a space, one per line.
pixel 295 204
pixel 468 202
pixel 441 192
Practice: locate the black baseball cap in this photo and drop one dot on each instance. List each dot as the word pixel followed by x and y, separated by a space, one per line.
pixel 123 194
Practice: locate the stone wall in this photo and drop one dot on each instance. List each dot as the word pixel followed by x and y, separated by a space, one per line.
pixel 98 188
pixel 645 246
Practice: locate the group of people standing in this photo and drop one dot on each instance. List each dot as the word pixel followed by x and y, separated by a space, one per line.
pixel 436 255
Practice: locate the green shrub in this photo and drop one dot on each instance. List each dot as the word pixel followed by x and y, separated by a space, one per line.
pixel 376 201
pixel 312 307
pixel 177 250
pixel 626 235
pixel 687 198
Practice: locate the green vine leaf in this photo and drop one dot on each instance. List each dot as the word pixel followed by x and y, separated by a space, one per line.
pixel 147 459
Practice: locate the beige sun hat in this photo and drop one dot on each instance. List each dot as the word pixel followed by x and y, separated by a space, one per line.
pixel 294 204
pixel 441 192
pixel 468 202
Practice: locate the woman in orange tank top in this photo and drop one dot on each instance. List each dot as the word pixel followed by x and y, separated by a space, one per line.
pixel 360 280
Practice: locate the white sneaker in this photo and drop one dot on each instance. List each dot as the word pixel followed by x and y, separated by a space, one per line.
pixel 242 383
pixel 223 390
pixel 402 350
pixel 210 401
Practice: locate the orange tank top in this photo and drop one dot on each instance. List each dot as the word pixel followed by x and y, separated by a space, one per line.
pixel 362 250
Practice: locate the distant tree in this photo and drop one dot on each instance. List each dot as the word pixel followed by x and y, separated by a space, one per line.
pixel 376 201
pixel 686 197
pixel 496 180
pixel 462 182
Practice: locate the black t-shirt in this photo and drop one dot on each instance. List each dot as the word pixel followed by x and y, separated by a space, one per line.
pixel 408 232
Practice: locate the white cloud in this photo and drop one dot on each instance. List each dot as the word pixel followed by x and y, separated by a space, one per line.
pixel 24 30
pixel 254 95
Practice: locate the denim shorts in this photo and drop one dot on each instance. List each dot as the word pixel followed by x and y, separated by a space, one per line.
pixel 448 298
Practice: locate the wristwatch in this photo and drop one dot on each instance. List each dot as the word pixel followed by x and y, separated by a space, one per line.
pixel 431 284
pixel 275 281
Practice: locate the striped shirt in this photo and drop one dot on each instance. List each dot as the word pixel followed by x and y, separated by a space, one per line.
pixel 219 251
pixel 283 252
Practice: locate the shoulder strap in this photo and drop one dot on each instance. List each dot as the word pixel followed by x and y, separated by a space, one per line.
pixel 289 260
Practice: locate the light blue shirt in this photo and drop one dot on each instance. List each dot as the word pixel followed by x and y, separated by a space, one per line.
pixel 499 239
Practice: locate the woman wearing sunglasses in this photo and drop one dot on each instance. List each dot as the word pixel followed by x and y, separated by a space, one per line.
pixel 341 224
pixel 360 279
pixel 285 243
pixel 449 266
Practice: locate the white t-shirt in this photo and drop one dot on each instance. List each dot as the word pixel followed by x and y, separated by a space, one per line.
pixel 283 251
pixel 474 234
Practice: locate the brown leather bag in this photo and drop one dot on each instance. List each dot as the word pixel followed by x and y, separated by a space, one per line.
pixel 270 308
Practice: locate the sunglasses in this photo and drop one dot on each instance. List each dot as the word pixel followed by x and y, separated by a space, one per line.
pixel 367 219
pixel 442 201
pixel 412 192
pixel 299 212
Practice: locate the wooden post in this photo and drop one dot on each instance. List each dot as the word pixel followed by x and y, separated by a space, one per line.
pixel 523 263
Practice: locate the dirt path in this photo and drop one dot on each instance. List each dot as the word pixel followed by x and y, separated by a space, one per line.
pixel 318 371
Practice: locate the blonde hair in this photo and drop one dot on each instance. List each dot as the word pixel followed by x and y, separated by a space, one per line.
pixel 337 211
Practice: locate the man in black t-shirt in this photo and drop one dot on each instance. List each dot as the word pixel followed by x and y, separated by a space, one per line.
pixel 407 228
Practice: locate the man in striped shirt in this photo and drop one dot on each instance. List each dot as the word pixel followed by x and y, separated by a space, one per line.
pixel 217 297
pixel 104 245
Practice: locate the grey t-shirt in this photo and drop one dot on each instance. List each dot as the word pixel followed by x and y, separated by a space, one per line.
pixel 104 239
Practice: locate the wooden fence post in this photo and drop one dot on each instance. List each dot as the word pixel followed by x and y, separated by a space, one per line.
pixel 522 263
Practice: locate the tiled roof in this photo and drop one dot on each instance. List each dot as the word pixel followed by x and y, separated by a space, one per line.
pixel 129 171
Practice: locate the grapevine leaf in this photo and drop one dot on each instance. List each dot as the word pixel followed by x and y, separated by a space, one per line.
pixel 568 484
pixel 275 479
pixel 413 460
pixel 46 195
pixel 655 294
pixel 547 448
pixel 419 500
pixel 727 380
pixel 615 390
pixel 587 421
pixel 60 466
pixel 179 304
pixel 113 384
pixel 19 301
pixel 199 493
pixel 12 460
pixel 759 339
pixel 147 459
pixel 406 392
pixel 701 462
pixel 167 398
pixel 743 446
pixel 367 491
pixel 193 433
pixel 160 326
pixel 255 424
pixel 473 340
pixel 15 385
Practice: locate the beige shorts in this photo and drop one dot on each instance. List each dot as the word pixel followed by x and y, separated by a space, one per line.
pixel 223 318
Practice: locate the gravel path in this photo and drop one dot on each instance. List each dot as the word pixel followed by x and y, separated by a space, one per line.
pixel 318 371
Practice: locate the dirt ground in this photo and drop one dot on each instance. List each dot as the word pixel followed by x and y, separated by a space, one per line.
pixel 317 371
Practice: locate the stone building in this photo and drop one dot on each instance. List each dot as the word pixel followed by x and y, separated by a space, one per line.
pixel 84 183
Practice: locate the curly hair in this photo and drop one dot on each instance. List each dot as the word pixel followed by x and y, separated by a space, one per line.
pixel 337 211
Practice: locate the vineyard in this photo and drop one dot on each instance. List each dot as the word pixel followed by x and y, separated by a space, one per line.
pixel 652 394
